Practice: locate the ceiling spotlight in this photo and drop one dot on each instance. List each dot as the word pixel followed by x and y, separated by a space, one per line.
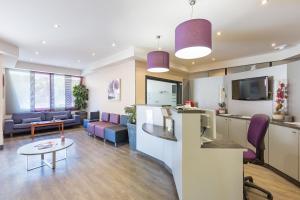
pixel 264 2
pixel 37 53
pixel 56 26
pixel 113 44
pixel 44 42
pixel 78 61
pixel 193 62
pixel 213 59
pixel 273 44
pixel 219 33
pixel 93 54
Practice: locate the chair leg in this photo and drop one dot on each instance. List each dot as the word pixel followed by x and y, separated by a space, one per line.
pixel 245 193
pixel 252 185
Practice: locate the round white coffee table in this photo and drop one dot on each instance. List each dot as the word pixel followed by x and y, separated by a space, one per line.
pixel 44 147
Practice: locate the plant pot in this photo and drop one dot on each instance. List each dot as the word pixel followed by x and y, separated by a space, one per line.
pixel 132 136
pixel 279 117
pixel 82 114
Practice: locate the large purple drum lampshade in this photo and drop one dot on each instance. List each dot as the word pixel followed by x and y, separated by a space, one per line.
pixel 158 61
pixel 193 39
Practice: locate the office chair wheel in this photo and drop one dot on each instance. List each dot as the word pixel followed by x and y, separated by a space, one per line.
pixel 249 178
pixel 270 196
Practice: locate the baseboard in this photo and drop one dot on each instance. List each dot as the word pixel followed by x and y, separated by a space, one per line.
pixel 161 163
pixel 285 176
pixel 1 147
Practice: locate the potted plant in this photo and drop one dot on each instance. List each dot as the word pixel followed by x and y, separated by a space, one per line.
pixel 81 94
pixel 131 112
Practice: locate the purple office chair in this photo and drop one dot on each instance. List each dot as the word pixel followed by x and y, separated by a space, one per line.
pixel 256 133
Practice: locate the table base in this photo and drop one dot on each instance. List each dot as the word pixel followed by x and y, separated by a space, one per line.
pixel 52 164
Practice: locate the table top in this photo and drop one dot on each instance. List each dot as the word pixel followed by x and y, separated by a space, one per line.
pixel 46 123
pixel 36 148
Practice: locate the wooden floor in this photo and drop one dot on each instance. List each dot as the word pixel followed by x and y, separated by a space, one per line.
pixel 98 171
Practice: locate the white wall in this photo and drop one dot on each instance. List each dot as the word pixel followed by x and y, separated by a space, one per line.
pixel 97 83
pixel 205 91
pixel 294 89
pixel 253 107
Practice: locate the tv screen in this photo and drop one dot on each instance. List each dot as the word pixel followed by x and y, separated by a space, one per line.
pixel 251 89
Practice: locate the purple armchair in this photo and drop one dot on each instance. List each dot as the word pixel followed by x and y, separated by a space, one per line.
pixel 257 130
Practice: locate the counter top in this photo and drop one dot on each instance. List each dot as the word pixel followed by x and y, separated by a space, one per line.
pixel 187 111
pixel 295 125
pixel 158 131
pixel 222 144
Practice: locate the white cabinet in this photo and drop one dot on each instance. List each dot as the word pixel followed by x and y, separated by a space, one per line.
pixel 283 149
pixel 222 126
pixel 237 130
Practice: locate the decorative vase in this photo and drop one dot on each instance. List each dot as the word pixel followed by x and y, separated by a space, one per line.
pixel 132 136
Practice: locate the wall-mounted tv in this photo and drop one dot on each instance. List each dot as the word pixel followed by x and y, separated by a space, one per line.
pixel 252 89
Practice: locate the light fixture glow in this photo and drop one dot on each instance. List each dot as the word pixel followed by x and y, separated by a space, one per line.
pixel 44 42
pixel 37 53
pixel 93 54
pixel 264 2
pixel 213 59
pixel 56 26
pixel 273 44
pixel 78 61
pixel 113 44
pixel 280 47
pixel 193 62
pixel 158 70
pixel 219 33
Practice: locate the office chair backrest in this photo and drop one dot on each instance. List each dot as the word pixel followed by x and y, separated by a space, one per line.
pixel 257 130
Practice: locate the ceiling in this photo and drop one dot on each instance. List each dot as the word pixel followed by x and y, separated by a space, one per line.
pixel 91 26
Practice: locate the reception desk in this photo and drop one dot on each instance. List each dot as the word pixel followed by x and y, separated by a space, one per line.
pixel 199 172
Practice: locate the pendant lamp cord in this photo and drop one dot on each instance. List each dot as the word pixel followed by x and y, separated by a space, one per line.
pixel 158 38
pixel 192 3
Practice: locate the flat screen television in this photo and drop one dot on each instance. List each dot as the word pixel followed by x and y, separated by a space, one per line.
pixel 251 89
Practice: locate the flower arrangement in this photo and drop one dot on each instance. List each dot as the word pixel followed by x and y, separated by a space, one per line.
pixel 281 101
pixel 281 98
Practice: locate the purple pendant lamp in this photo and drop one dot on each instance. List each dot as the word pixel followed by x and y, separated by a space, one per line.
pixel 193 38
pixel 158 61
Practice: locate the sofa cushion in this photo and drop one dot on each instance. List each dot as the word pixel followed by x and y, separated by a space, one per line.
pixel 49 115
pixel 17 117
pixel 114 118
pixel 123 120
pixel 68 121
pixel 61 117
pixel 22 126
pixel 105 117
pixel 29 120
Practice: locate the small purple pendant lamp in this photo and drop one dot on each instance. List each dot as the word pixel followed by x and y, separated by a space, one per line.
pixel 158 61
pixel 193 38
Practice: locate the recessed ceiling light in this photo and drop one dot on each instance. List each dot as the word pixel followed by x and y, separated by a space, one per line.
pixel 44 42
pixel 78 61
pixel 219 33
pixel 264 2
pixel 213 59
pixel 113 44
pixel 273 44
pixel 31 59
pixel 93 54
pixel 37 53
pixel 56 26
pixel 193 62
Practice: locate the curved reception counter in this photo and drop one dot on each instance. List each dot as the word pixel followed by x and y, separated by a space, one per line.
pixel 199 171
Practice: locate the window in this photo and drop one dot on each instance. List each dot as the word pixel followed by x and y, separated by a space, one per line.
pixel 41 91
pixel 36 91
pixel 59 92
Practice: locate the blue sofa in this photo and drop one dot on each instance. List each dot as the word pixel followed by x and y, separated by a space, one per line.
pixel 21 122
